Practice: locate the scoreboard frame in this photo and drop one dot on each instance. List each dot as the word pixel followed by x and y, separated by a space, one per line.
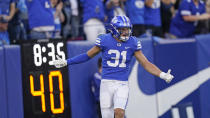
pixel 45 88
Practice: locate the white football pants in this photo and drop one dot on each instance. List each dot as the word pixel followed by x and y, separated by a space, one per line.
pixel 113 94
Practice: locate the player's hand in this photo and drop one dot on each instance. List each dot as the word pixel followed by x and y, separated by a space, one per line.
pixel 166 76
pixel 59 63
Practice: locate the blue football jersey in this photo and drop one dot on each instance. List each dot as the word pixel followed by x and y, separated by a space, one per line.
pixel 152 15
pixel 39 13
pixel 116 56
pixel 135 11
pixel 181 28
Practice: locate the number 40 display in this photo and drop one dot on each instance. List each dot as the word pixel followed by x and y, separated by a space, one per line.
pixel 41 91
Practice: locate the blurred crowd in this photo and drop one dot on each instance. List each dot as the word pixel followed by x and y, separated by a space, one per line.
pixel 86 19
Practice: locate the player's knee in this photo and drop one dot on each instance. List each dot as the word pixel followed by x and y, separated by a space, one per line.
pixel 119 113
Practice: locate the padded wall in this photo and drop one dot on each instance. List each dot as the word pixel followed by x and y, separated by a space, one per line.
pixel 3 95
pixel 80 75
pixel 14 81
pixel 203 52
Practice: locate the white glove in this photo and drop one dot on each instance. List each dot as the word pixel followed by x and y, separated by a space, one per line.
pixel 60 62
pixel 166 76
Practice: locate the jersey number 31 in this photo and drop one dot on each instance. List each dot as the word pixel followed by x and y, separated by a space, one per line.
pixel 117 58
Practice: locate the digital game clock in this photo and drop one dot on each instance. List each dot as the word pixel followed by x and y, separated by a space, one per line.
pixel 45 88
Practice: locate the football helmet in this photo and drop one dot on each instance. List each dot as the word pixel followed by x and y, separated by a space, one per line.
pixel 121 27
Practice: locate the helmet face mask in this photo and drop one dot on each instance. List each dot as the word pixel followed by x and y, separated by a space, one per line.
pixel 125 33
pixel 121 27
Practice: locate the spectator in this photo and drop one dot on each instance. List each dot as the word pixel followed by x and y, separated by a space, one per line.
pixel 66 26
pixel 152 17
pixel 187 17
pixel 114 8
pixel 93 18
pixel 75 19
pixel 203 27
pixel 58 18
pixel 135 11
pixel 7 11
pixel 167 11
pixel 207 23
pixel 70 29
pixel 41 20
pixel 96 86
pixel 17 26
pixel 21 5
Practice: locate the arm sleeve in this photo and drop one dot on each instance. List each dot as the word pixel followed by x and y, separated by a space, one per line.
pixel 137 44
pixel 78 59
pixel 99 41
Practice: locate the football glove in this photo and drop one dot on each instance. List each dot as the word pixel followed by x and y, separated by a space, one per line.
pixel 59 63
pixel 166 76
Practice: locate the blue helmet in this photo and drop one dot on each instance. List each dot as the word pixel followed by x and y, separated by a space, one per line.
pixel 121 22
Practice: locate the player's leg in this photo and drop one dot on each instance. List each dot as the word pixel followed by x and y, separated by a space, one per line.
pixel 106 99
pixel 120 99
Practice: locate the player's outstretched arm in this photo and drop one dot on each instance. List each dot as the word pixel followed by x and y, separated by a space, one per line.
pixel 151 68
pixel 59 63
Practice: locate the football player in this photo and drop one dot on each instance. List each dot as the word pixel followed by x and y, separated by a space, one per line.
pixel 118 48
